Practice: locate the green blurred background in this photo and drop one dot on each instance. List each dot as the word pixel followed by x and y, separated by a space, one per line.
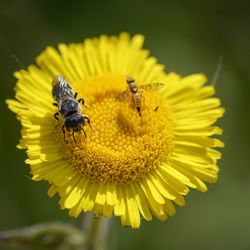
pixel 188 37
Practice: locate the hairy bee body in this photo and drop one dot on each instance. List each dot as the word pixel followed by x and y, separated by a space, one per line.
pixel 68 107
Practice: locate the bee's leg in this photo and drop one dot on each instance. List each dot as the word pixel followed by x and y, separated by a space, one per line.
pixel 73 134
pixel 84 132
pixel 81 100
pixel 56 116
pixel 88 120
pixel 55 104
pixel 63 130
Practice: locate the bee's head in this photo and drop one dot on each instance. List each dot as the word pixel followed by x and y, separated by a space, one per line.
pixel 74 122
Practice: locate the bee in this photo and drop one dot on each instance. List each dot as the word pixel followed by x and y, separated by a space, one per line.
pixel 136 92
pixel 69 107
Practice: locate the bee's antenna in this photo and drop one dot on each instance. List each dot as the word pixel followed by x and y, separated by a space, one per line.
pixel 217 71
pixel 13 56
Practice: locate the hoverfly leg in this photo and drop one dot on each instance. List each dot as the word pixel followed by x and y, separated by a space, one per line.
pixel 55 104
pixel 75 95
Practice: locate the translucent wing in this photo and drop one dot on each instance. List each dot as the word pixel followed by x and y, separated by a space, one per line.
pixel 61 89
pixel 152 86
pixel 123 95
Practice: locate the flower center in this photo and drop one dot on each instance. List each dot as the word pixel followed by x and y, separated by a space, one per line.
pixel 124 146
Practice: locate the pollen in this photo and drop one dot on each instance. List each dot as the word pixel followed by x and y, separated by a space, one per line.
pixel 123 147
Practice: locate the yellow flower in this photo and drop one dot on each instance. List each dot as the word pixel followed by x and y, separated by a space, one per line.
pixel 131 166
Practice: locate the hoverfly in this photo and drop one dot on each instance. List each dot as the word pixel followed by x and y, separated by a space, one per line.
pixel 69 107
pixel 136 92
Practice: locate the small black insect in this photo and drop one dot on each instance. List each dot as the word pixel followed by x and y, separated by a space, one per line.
pixel 68 107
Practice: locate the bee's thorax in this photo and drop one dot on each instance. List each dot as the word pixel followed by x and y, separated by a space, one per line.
pixel 69 107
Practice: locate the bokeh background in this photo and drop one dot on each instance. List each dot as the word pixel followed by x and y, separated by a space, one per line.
pixel 188 37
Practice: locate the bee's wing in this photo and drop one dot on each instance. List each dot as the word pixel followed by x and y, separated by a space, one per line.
pixel 61 89
pixel 123 95
pixel 151 87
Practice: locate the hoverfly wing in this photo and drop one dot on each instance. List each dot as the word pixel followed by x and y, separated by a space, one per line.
pixel 151 87
pixel 123 95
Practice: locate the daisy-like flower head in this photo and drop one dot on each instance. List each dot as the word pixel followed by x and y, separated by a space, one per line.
pixel 132 164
